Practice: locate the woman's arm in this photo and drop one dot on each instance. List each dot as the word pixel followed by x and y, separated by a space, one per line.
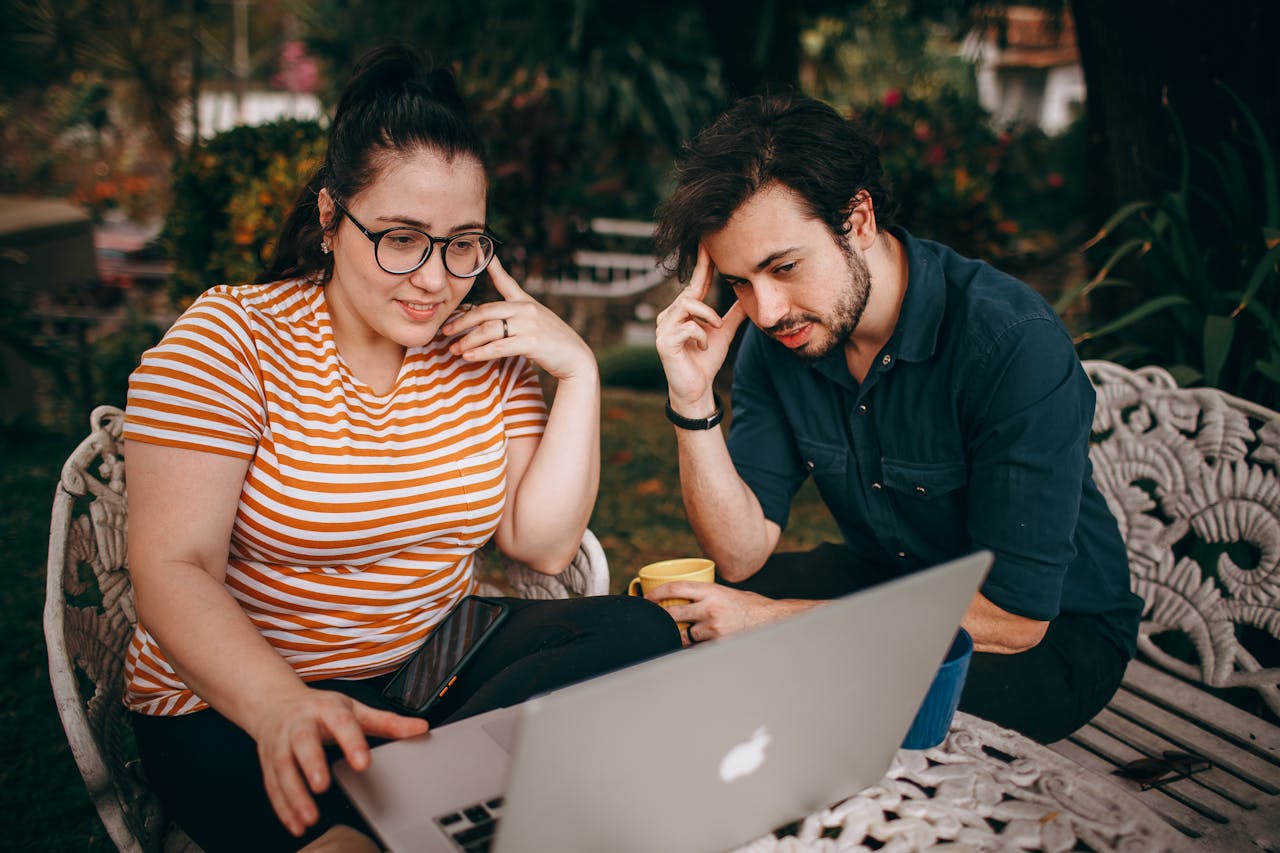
pixel 182 505
pixel 552 481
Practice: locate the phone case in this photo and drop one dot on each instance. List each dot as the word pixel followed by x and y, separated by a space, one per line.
pixel 405 686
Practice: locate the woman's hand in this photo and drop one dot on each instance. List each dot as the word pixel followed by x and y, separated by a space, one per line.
pixel 693 341
pixel 520 325
pixel 291 735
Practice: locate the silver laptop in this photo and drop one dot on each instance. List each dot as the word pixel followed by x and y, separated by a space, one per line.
pixel 698 750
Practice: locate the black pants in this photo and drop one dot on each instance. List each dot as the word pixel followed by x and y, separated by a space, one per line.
pixel 206 772
pixel 1046 692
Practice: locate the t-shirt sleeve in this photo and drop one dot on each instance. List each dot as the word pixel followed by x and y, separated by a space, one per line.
pixel 1031 409
pixel 761 443
pixel 524 409
pixel 200 388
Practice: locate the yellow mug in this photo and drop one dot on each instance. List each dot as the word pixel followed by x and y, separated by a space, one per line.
pixel 654 575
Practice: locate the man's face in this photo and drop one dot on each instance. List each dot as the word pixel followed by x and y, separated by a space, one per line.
pixel 799 283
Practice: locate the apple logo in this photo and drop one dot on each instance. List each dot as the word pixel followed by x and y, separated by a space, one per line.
pixel 746 757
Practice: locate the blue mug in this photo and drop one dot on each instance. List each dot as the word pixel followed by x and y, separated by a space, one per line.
pixel 933 720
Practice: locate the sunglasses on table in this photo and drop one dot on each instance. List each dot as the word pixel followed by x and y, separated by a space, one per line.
pixel 1172 766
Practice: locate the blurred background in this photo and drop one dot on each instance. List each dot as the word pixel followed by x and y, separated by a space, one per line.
pixel 1120 157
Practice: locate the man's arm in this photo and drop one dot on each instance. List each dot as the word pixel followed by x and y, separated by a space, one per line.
pixel 723 511
pixel 693 342
pixel 1029 415
pixel 996 630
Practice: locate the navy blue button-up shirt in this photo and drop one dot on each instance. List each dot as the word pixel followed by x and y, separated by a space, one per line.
pixel 971 430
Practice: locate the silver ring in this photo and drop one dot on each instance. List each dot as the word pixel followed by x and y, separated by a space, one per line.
pixel 688 632
pixel 505 331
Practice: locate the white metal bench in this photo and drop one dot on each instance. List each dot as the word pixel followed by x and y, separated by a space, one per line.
pixel 1192 477
pixel 89 618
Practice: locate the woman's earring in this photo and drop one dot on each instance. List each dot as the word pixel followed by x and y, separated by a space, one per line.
pixel 324 246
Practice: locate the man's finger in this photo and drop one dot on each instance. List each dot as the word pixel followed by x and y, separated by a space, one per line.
pixel 703 273
pixel 733 318
pixel 507 286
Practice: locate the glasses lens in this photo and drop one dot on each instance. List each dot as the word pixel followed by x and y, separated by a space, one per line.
pixel 402 250
pixel 467 254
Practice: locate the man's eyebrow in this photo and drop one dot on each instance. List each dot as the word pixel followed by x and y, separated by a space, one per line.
pixel 773 257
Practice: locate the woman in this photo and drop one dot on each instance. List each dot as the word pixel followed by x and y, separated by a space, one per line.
pixel 313 461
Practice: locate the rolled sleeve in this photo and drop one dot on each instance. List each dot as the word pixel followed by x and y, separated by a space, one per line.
pixel 1031 407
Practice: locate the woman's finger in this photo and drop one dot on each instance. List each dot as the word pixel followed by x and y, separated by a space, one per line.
pixel 288 793
pixel 506 286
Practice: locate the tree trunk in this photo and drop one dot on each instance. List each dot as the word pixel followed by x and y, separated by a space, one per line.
pixel 1135 51
pixel 757 42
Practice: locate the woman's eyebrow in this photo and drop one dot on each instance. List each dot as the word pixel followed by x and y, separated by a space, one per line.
pixel 426 226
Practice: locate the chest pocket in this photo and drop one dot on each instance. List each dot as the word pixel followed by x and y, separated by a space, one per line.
pixel 930 499
pixel 924 482
pixel 822 459
pixel 483 478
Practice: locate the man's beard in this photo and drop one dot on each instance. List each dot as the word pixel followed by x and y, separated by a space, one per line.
pixel 844 316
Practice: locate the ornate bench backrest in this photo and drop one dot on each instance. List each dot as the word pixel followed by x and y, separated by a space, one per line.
pixel 1191 476
pixel 89 618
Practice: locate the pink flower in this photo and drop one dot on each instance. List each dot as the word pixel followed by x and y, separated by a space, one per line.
pixel 1056 180
pixel 892 98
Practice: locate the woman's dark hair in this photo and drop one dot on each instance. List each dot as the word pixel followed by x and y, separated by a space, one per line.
pixel 392 104
pixel 789 139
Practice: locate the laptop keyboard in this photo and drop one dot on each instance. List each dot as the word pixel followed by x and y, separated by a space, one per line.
pixel 472 828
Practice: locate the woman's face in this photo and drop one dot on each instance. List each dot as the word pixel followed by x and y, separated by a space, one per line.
pixel 372 308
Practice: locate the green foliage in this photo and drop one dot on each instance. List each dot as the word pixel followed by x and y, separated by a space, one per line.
pixel 857 55
pixel 997 195
pixel 230 199
pixel 582 104
pixel 634 367
pixel 1202 263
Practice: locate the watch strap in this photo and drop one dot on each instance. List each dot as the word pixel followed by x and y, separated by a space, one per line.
pixel 696 423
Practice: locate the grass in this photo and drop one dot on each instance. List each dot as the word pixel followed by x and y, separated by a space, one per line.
pixel 639 518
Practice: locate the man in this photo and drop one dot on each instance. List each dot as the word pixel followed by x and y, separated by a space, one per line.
pixel 938 404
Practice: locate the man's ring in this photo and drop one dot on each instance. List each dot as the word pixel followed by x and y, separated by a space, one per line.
pixel 505 331
pixel 688 632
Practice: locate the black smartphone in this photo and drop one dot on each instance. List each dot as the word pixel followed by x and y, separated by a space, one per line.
pixel 438 663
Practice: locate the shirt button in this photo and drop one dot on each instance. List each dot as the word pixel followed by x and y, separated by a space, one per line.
pixel 862 408
pixel 809 464
pixel 902 554
pixel 876 486
pixel 920 490
pixel 885 361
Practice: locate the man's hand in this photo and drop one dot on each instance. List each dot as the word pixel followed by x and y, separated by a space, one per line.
pixel 718 611
pixel 291 738
pixel 693 340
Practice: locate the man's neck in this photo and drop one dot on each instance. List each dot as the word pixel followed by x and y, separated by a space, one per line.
pixel 887 265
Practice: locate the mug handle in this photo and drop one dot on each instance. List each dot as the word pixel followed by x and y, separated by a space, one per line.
pixel 633 588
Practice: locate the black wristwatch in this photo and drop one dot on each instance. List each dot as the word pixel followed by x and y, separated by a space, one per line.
pixel 696 423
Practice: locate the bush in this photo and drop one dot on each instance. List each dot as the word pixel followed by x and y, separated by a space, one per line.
pixel 996 195
pixel 633 367
pixel 230 199
pixel 1200 266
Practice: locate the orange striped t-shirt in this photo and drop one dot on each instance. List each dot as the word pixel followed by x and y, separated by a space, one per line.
pixel 360 514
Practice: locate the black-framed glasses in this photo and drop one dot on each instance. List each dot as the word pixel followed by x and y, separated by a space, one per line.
pixel 1170 767
pixel 402 250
